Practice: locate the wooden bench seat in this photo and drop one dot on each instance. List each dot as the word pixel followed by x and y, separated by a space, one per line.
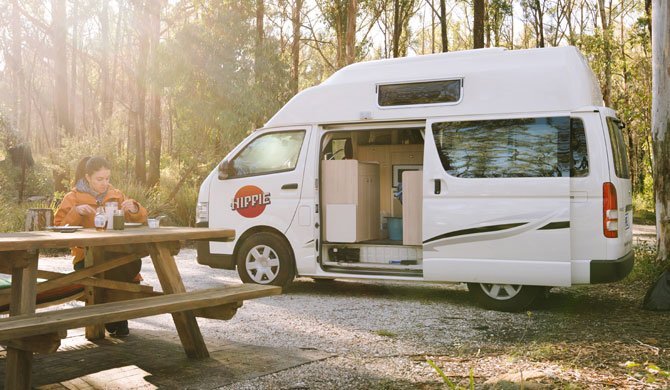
pixel 199 302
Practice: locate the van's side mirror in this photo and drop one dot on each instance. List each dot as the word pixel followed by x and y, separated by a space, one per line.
pixel 225 170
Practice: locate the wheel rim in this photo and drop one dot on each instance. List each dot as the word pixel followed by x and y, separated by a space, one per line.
pixel 501 292
pixel 262 264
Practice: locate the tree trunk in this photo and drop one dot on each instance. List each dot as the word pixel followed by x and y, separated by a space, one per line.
pixel 478 24
pixel 607 52
pixel 443 26
pixel 539 23
pixel 58 36
pixel 73 66
pixel 661 123
pixel 140 118
pixel 154 134
pixel 19 101
pixel 350 36
pixel 105 103
pixel 295 46
pixel 260 38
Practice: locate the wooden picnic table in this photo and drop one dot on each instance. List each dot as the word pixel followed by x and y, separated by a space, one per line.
pixel 25 331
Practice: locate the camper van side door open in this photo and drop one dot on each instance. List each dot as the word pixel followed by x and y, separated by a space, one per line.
pixel 496 206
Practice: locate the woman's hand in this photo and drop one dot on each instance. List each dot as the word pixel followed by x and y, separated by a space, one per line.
pixel 84 209
pixel 130 206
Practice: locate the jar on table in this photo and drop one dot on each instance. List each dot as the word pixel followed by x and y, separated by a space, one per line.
pixel 119 220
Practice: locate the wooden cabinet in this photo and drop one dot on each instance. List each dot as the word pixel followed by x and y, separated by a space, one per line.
pixel 412 201
pixel 350 195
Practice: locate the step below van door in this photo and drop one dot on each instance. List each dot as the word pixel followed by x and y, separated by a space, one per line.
pixel 261 184
pixel 496 206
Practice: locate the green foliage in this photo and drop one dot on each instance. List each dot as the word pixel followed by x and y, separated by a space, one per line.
pixel 647 265
pixel 451 385
pixel 386 333
pixel 648 371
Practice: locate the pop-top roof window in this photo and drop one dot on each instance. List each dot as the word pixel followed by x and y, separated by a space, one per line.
pixel 427 92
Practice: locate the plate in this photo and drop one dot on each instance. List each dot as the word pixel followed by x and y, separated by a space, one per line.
pixel 64 229
pixel 132 224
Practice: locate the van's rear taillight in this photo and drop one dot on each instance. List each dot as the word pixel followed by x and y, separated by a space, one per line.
pixel 610 211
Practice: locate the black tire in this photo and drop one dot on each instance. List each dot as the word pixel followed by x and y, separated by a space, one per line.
pixel 264 258
pixel 505 297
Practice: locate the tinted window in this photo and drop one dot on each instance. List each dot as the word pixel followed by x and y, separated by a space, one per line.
pixel 274 152
pixel 445 91
pixel 618 148
pixel 529 147
pixel 580 155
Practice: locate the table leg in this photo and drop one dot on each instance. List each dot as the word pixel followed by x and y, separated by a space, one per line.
pixel 23 296
pixel 171 282
pixel 94 256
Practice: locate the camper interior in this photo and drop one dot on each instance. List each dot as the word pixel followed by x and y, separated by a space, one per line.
pixel 371 197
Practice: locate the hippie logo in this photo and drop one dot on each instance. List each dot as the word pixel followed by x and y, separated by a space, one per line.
pixel 250 201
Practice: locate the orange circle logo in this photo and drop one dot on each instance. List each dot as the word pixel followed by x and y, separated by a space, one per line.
pixel 250 201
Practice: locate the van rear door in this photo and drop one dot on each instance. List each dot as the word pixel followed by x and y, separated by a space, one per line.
pixel 496 205
pixel 620 177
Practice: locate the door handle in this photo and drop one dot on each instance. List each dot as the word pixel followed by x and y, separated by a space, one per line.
pixel 438 186
pixel 292 186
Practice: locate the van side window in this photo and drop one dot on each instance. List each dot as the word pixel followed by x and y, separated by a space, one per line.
pixel 526 147
pixel 580 154
pixel 269 153
pixel 429 92
pixel 618 148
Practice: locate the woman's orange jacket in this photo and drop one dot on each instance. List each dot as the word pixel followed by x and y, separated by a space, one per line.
pixel 66 213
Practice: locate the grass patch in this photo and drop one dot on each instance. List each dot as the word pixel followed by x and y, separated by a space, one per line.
pixel 644 217
pixel 386 333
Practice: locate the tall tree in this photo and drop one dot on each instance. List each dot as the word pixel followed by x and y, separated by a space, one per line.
pixel 443 26
pixel 105 99
pixel 139 102
pixel 479 13
pixel 341 16
pixel 16 66
pixel 154 129
pixel 58 37
pixel 661 122
pixel 296 23
pixel 606 24
pixel 403 10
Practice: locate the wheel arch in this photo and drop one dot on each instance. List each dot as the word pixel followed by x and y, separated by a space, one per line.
pixel 264 229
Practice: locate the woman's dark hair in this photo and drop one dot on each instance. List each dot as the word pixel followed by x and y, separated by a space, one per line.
pixel 88 166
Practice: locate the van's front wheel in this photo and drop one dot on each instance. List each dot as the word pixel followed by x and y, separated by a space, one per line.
pixel 504 297
pixel 264 258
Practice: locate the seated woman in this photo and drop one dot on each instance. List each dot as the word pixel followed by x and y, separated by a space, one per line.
pixel 92 188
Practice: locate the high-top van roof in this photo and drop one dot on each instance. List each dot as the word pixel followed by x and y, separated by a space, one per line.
pixel 494 81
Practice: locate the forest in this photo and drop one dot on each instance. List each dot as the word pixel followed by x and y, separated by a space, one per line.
pixel 164 89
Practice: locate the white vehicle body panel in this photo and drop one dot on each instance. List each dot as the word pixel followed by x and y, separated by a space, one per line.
pixel 496 84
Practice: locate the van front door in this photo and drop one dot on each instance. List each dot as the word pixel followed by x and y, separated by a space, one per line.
pixel 497 202
pixel 261 184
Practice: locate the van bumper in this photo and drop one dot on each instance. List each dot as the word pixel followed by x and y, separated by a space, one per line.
pixel 605 271
pixel 214 260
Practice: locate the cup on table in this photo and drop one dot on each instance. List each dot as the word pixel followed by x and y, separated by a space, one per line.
pixel 153 223
pixel 110 208
pixel 119 220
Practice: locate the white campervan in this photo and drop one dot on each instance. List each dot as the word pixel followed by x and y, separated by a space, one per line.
pixel 496 168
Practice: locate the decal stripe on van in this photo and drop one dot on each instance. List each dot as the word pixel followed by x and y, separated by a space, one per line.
pixel 483 229
pixel 495 228
pixel 556 225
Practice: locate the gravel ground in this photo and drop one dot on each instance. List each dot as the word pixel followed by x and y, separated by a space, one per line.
pixel 381 334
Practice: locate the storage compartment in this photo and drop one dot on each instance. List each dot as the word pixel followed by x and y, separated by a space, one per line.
pixel 412 200
pixel 350 193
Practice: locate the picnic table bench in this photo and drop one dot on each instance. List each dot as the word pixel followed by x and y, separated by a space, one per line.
pixel 25 331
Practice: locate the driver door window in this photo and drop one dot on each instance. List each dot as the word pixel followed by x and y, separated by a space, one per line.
pixel 269 153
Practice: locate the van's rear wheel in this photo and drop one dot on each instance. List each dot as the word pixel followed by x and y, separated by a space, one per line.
pixel 264 258
pixel 504 297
